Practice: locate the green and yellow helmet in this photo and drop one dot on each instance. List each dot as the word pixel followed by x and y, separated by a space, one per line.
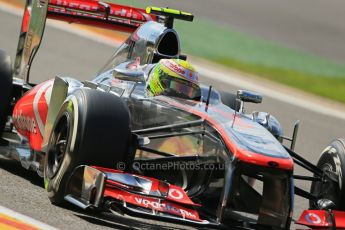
pixel 174 77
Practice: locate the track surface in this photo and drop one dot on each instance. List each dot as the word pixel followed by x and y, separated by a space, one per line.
pixel 70 55
pixel 314 26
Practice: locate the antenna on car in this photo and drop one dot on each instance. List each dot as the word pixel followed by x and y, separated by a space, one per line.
pixel 245 96
pixel 208 98
pixel 236 108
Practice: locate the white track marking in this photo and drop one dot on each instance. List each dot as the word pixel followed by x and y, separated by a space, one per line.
pixel 25 219
pixel 222 76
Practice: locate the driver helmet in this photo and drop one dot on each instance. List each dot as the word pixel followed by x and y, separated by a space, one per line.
pixel 174 77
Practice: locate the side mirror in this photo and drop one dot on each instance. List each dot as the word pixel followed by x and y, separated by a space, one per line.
pixel 123 72
pixel 249 96
pixel 129 75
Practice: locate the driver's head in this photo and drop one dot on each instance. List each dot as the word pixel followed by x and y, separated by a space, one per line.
pixel 174 77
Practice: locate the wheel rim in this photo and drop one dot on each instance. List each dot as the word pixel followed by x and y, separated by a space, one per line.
pixel 327 189
pixel 58 145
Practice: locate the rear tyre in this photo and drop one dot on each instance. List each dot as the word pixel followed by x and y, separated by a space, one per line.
pixel 333 159
pixel 5 88
pixel 92 128
pixel 230 100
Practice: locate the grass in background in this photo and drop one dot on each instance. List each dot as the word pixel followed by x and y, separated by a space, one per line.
pixel 264 59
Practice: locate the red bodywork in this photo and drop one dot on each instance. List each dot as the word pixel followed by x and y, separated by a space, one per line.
pixel 30 113
pixel 321 219
pixel 94 13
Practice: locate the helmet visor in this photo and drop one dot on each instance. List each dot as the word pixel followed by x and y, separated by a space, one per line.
pixel 179 86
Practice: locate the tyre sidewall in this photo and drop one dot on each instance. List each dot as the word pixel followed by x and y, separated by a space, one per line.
pixel 56 184
pixel 5 87
pixel 333 157
pixel 99 134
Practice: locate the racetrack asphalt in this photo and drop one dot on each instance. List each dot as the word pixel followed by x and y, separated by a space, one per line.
pixel 70 55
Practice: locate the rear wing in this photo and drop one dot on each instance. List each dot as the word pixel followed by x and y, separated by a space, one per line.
pixel 87 12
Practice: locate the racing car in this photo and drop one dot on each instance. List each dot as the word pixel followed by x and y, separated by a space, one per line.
pixel 107 145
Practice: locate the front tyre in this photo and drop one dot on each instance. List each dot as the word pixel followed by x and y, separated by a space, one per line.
pixel 92 128
pixel 5 87
pixel 332 159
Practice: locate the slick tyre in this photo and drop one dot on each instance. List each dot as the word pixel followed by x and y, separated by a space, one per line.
pixel 333 159
pixel 230 100
pixel 5 87
pixel 92 128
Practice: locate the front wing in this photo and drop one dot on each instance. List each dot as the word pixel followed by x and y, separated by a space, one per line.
pixel 125 193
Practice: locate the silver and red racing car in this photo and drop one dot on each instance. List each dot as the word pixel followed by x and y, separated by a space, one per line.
pixel 107 145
